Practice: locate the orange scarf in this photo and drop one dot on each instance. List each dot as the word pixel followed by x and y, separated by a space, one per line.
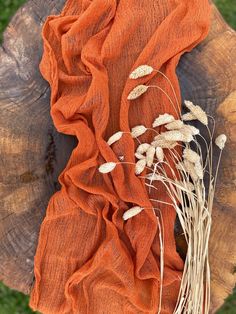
pixel 89 260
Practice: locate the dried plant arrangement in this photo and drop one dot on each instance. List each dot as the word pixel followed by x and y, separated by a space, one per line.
pixel 190 186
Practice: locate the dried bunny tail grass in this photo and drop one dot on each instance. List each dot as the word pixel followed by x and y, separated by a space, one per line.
pixel 190 169
pixel 137 92
pixel 139 156
pixel 181 135
pixel 190 129
pixel 142 148
pixel 163 119
pixel 107 167
pixel 134 211
pixel 188 117
pixel 187 136
pixel 141 71
pixel 140 166
pixel 163 143
pixel 199 170
pixel 173 136
pixel 159 154
pixel 138 131
pixel 220 141
pixel 197 112
pixel 150 156
pixel 175 125
pixel 191 155
pixel 114 138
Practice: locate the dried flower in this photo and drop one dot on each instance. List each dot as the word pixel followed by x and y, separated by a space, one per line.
pixel 107 167
pixel 175 125
pixel 163 119
pixel 199 170
pixel 114 138
pixel 221 140
pixel 150 155
pixel 191 155
pixel 160 141
pixel 173 136
pixel 188 117
pixel 197 112
pixel 139 156
pixel 140 166
pixel 142 148
pixel 194 170
pixel 190 129
pixel 189 168
pixel 187 137
pixel 138 130
pixel 132 212
pixel 159 154
pixel 137 91
pixel 141 71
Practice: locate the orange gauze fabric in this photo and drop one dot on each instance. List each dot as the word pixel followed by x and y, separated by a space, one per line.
pixel 88 259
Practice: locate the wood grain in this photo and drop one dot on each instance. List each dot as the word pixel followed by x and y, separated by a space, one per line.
pixel 33 153
pixel 208 77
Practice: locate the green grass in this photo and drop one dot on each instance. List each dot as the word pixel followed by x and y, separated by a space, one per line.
pixel 7 9
pixel 12 302
pixel 228 10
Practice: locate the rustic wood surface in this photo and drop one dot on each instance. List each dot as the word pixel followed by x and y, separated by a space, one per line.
pixel 32 153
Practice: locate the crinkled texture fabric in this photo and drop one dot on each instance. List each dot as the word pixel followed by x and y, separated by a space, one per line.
pixel 88 259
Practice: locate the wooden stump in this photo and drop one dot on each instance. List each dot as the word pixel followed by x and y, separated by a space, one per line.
pixel 33 153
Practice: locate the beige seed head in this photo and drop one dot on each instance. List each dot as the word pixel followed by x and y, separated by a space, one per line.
pixel 188 117
pixel 189 167
pixel 150 155
pixel 141 71
pixel 173 136
pixel 114 138
pixel 187 135
pixel 220 141
pixel 138 131
pixel 132 212
pixel 137 91
pixel 142 148
pixel 191 155
pixel 197 112
pixel 188 138
pixel 139 156
pixel 175 125
pixel 140 166
pixel 160 141
pixel 159 154
pixel 163 119
pixel 199 170
pixel 107 167
pixel 190 129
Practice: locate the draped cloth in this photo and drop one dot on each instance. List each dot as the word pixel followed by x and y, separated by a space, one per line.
pixel 88 259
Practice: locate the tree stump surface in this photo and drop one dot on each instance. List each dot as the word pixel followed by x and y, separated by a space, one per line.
pixel 33 153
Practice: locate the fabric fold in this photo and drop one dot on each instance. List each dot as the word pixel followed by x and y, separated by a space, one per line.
pixel 88 259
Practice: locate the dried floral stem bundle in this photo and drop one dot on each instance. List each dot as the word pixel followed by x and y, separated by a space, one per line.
pixel 190 187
